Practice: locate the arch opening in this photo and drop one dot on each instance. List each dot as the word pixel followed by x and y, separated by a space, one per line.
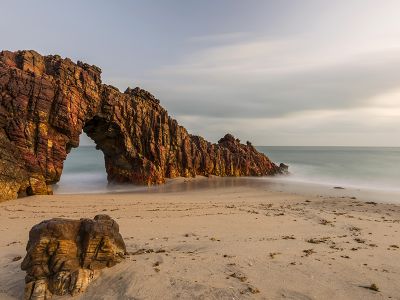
pixel 100 162
pixel 83 170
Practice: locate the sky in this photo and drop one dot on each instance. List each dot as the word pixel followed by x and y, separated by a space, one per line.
pixel 281 72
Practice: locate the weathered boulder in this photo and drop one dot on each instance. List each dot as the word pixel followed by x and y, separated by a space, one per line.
pixel 64 256
pixel 46 102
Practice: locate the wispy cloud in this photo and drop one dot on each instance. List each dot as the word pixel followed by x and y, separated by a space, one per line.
pixel 321 89
pixel 218 38
pixel 274 78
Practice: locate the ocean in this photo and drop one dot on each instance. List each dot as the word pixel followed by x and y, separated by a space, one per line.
pixel 358 167
pixel 354 167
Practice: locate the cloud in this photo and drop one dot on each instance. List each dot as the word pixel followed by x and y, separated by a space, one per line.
pixel 328 76
pixel 218 38
pixel 369 126
pixel 274 78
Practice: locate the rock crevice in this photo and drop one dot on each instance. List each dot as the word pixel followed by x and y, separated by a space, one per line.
pixel 45 104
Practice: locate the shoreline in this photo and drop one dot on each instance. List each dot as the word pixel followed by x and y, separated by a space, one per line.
pixel 277 183
pixel 208 238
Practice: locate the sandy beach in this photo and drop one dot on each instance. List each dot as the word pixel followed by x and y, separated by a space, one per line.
pixel 216 239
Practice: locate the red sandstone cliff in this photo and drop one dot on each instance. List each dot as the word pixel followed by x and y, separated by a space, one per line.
pixel 46 102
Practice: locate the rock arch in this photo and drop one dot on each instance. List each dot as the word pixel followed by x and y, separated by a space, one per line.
pixel 45 104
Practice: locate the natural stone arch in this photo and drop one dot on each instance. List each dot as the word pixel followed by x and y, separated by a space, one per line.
pixel 46 102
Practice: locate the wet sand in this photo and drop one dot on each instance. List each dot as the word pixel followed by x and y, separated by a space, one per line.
pixel 227 239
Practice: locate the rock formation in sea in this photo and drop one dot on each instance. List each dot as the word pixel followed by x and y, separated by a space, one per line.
pixel 64 256
pixel 47 101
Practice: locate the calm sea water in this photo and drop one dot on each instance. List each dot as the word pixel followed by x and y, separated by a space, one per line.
pixel 359 167
pixel 364 167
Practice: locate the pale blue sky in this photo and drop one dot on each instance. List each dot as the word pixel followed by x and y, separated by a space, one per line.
pixel 275 72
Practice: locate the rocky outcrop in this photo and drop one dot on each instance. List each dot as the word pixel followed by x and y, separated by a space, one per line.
pixel 64 256
pixel 46 102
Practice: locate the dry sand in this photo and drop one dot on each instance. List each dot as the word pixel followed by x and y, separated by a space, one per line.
pixel 229 241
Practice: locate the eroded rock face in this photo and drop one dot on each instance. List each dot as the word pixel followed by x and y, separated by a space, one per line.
pixel 46 102
pixel 64 256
